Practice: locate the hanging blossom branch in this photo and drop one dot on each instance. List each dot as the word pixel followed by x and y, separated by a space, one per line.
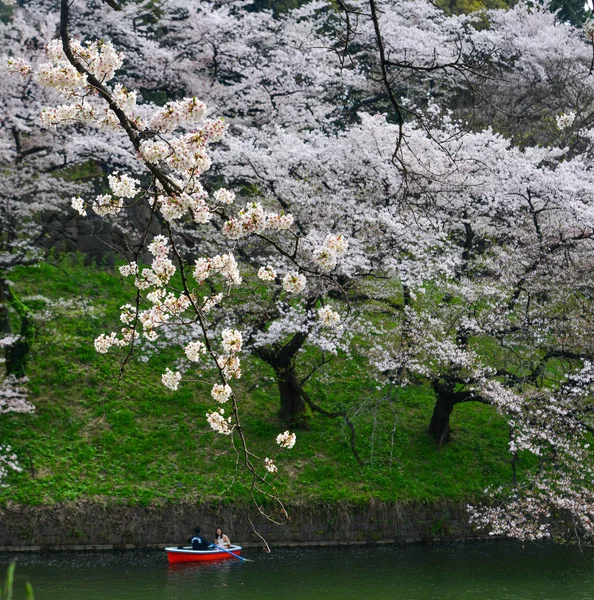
pixel 81 72
pixel 555 426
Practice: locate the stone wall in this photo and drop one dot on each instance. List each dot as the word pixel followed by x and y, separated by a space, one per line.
pixel 101 240
pixel 92 526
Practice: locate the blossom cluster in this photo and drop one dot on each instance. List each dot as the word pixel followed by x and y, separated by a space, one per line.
pixel 327 255
pixel 216 419
pixel 254 219
pixel 165 305
pixel 78 112
pixel 104 342
pixel 221 392
pixel 230 365
pixel 267 273
pixel 175 207
pixel 187 155
pixel 270 466
pixel 105 204
pixel 173 114
pixel 126 100
pixel 171 379
pixel 99 58
pixel 78 204
pixel 224 196
pixel 565 120
pixel 294 282
pixel 194 350
pixel 286 440
pixel 232 341
pixel 123 186
pixel 328 317
pixel 129 269
pixel 221 264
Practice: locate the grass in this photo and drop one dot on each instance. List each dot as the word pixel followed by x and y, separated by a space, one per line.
pixel 130 440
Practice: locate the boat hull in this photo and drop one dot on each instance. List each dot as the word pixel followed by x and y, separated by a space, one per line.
pixel 183 555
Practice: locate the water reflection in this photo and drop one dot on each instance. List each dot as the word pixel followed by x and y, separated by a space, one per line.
pixel 469 572
pixel 217 573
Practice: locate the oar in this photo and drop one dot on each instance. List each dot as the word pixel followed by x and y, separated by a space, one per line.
pixel 231 553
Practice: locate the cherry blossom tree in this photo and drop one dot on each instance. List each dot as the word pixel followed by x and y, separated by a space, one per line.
pixel 35 167
pixel 28 188
pixel 281 107
pixel 495 260
pixel 171 144
pixel 480 249
pixel 556 426
pixel 289 319
pixel 40 164
pixel 508 323
pixel 543 69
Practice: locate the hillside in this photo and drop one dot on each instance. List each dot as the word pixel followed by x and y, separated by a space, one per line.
pixel 99 434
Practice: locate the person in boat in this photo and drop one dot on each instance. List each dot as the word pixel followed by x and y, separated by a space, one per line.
pixel 199 542
pixel 221 539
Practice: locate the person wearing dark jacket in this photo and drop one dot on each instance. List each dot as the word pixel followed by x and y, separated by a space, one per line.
pixel 199 542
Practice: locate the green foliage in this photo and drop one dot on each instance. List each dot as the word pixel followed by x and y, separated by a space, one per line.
pixel 85 171
pixel 101 434
pixel 572 11
pixel 5 12
pixel 458 7
pixel 278 6
pixel 158 97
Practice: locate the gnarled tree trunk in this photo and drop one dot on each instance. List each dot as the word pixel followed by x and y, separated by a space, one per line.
pixel 447 394
pixel 292 405
pixel 445 399
pixel 282 360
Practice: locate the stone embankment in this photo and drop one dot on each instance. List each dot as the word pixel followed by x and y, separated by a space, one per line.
pixel 90 526
pixel 100 240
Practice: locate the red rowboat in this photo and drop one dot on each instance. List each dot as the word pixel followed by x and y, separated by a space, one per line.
pixel 178 555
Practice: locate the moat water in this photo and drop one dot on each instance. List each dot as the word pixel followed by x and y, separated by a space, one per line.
pixel 496 571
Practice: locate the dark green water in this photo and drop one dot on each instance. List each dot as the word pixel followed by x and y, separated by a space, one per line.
pixel 462 572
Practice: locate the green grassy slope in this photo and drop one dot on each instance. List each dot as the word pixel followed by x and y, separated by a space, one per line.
pixel 131 440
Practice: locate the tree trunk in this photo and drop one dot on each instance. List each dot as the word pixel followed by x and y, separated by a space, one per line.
pixel 439 428
pixel 17 354
pixel 292 405
pixel 4 300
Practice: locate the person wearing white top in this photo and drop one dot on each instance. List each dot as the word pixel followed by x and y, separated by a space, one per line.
pixel 221 539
